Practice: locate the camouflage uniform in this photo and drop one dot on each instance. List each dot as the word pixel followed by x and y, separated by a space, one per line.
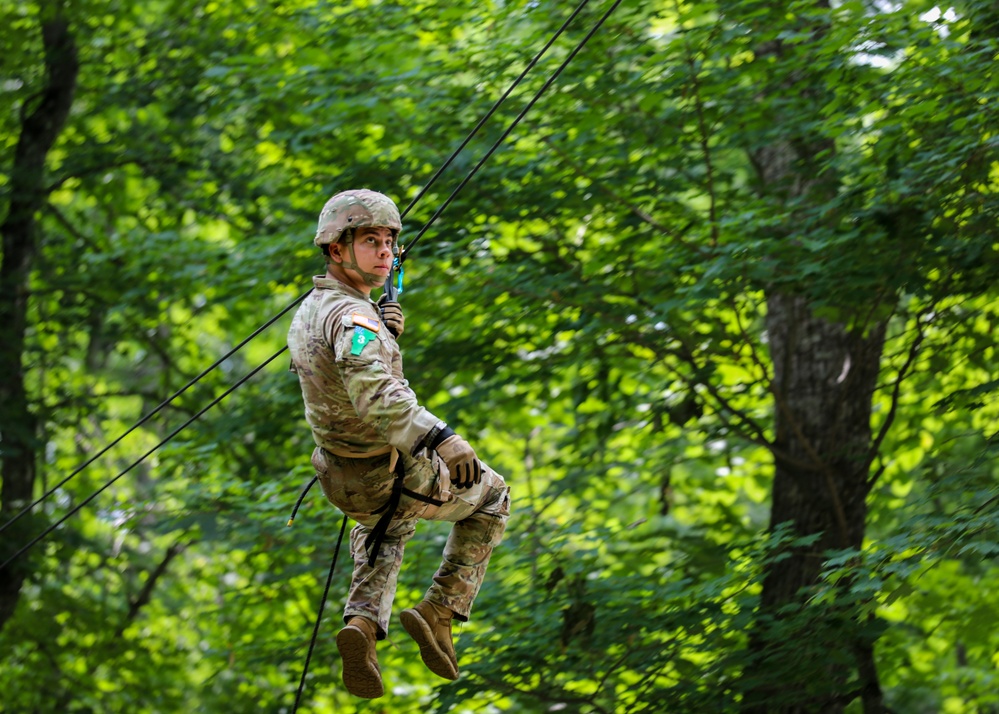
pixel 360 408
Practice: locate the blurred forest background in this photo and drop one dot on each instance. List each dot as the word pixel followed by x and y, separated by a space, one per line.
pixel 722 309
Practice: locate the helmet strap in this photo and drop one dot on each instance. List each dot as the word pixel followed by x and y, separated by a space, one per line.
pixel 372 279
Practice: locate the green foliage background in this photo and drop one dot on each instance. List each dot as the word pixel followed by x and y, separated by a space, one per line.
pixel 589 313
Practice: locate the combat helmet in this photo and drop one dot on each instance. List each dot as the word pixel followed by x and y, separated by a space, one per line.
pixel 359 208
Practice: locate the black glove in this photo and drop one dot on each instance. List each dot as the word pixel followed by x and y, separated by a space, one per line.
pixel 392 316
pixel 461 461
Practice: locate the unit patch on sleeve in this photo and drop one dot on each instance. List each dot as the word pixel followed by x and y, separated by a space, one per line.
pixel 367 322
pixel 362 336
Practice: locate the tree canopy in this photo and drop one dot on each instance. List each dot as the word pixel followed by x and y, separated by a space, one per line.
pixel 721 309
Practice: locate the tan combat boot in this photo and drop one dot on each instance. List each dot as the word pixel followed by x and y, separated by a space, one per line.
pixel 356 643
pixel 430 625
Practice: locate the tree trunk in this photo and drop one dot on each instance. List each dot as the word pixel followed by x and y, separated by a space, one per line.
pixel 824 379
pixel 40 127
pixel 825 374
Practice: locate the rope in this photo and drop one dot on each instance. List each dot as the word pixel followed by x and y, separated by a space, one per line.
pixel 513 125
pixel 142 458
pixel 151 414
pixel 301 497
pixel 495 106
pixel 319 616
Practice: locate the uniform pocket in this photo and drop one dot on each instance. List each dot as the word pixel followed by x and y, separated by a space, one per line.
pixel 358 487
pixel 321 466
pixel 423 476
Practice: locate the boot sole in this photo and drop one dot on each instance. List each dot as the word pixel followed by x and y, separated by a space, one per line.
pixel 433 656
pixel 360 677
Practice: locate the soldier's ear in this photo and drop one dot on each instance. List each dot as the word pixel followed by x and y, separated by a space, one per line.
pixel 335 254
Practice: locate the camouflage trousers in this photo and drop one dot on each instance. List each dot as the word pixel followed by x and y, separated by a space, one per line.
pixel 359 487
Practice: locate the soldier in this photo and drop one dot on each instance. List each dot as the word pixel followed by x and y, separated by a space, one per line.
pixel 380 457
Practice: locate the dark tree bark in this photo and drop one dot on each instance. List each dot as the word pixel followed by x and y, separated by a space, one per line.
pixel 41 125
pixel 824 380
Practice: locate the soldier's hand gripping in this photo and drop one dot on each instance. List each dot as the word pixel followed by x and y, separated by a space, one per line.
pixel 461 461
pixel 392 316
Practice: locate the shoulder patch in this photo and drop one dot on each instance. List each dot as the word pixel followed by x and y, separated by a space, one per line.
pixel 362 337
pixel 365 321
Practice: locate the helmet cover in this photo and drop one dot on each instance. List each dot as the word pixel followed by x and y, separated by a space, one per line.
pixel 356 209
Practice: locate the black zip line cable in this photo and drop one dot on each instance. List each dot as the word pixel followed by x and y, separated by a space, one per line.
pixel 319 616
pixel 513 125
pixel 152 413
pixel 142 458
pixel 493 109
pixel 412 203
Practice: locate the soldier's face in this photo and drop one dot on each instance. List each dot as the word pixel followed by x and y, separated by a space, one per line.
pixel 373 255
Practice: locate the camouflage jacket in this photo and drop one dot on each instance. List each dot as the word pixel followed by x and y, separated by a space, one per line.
pixel 350 368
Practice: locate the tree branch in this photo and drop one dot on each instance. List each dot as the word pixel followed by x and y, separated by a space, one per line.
pixel 145 595
pixel 702 135
pixel 896 392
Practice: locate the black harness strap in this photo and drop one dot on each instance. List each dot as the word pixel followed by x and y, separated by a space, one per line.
pixel 373 543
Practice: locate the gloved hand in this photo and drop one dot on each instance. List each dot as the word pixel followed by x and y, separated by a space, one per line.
pixel 461 461
pixel 392 316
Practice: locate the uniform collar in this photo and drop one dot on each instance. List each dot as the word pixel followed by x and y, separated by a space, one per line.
pixel 324 283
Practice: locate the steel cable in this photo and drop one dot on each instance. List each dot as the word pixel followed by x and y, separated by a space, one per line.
pixel 510 128
pixel 142 458
pixel 319 616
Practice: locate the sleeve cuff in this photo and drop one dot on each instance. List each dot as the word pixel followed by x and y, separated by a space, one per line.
pixel 436 435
